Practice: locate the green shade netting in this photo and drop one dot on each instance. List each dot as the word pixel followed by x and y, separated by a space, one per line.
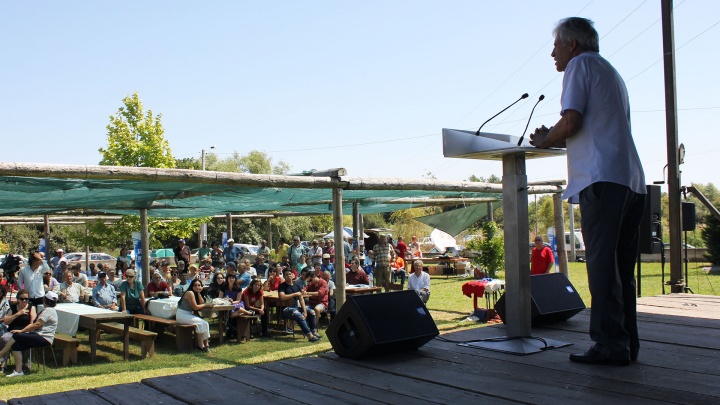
pixel 39 196
pixel 455 221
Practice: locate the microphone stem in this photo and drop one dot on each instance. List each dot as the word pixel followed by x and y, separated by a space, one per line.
pixel 528 123
pixel 477 133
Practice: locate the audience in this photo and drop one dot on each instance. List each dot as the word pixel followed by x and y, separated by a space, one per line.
pixel 70 291
pixel 191 302
pixel 16 317
pixel 254 301
pixel 103 294
pixel 216 285
pixel 317 289
pixel 297 311
pixel 419 281
pixel 356 275
pixel 157 287
pixel 132 294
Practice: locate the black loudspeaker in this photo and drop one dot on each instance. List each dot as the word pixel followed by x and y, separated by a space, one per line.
pixel 688 216
pixel 552 299
pixel 650 225
pixel 372 324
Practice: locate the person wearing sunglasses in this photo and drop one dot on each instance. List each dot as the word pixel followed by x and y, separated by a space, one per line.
pixel 132 294
pixel 18 317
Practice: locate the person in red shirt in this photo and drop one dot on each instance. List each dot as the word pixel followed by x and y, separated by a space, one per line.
pixel 542 260
pixel 157 286
pixel 254 301
pixel 317 289
pixel 401 248
pixel 274 279
pixel 356 275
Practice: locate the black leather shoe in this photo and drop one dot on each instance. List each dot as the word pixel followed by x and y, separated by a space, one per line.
pixel 592 356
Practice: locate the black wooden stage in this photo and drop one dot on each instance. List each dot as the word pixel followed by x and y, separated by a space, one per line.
pixel 679 363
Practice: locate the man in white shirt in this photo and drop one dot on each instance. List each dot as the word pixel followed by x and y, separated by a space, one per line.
pixel 605 176
pixel 31 279
pixel 419 281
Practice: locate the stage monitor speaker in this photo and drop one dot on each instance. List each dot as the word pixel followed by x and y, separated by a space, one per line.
pixel 688 216
pixel 372 324
pixel 553 299
pixel 650 225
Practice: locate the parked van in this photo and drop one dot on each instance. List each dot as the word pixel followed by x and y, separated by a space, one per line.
pixel 579 242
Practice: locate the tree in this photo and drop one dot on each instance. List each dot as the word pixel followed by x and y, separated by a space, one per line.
pixel 135 138
pixel 711 234
pixel 491 248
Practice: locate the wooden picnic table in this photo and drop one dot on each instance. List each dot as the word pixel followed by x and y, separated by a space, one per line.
pixel 74 316
pixel 222 312
pixel 361 290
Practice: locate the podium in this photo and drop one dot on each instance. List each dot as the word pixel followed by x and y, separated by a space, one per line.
pixel 489 146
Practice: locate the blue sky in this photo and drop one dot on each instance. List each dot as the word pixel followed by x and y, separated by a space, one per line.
pixel 363 85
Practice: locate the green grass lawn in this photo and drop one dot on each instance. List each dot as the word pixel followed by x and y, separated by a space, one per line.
pixel 448 306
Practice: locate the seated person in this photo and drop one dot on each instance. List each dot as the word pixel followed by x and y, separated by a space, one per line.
pixel 49 282
pixel 190 303
pixel 419 281
pixel 207 267
pixel 69 290
pixel 79 277
pixel 297 311
pixel 326 265
pixel 104 294
pixel 192 272
pixel 40 333
pixel 261 269
pixel 356 275
pixel 250 269
pixel 216 285
pixel 16 317
pixel 183 285
pixel 243 277
pixel 274 279
pixel 300 281
pixel 317 289
pixel 331 293
pixel 254 301
pixel 112 279
pixel 398 271
pixel 157 287
pixel 132 294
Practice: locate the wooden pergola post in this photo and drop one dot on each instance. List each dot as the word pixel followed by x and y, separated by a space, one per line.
pixel 48 249
pixel 269 236
pixel 560 234
pixel 356 223
pixel 339 251
pixel 228 224
pixel 144 246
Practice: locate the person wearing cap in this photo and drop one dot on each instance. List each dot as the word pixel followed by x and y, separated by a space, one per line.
pixel 79 277
pixel 315 252
pixel 282 249
pixel 204 251
pixel 263 249
pixel 132 294
pixel 182 252
pixel 230 268
pixel 49 282
pixel 103 294
pixel 232 253
pixel 40 333
pixel 326 265
pixel 206 268
pixel 30 278
pixel 55 260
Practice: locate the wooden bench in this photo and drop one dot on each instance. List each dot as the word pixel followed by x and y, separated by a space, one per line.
pixel 243 326
pixel 69 347
pixel 146 338
pixel 183 333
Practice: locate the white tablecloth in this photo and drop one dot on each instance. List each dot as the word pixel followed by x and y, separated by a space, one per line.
pixel 164 307
pixel 69 316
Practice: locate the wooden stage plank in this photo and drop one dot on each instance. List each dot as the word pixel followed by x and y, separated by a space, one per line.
pixel 659 376
pixel 384 387
pixel 134 393
pixel 212 388
pixel 61 398
pixel 291 387
pixel 653 331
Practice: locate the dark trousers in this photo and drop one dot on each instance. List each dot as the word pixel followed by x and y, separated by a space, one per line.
pixel 611 215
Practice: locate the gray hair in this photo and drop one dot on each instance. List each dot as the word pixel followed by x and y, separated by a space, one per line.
pixel 579 29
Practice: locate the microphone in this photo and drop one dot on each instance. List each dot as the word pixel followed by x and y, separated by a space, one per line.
pixel 541 98
pixel 477 133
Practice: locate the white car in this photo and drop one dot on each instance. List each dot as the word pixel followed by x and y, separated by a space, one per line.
pixel 249 251
pixel 79 257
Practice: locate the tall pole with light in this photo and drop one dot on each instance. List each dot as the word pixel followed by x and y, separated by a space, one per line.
pixel 202 235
